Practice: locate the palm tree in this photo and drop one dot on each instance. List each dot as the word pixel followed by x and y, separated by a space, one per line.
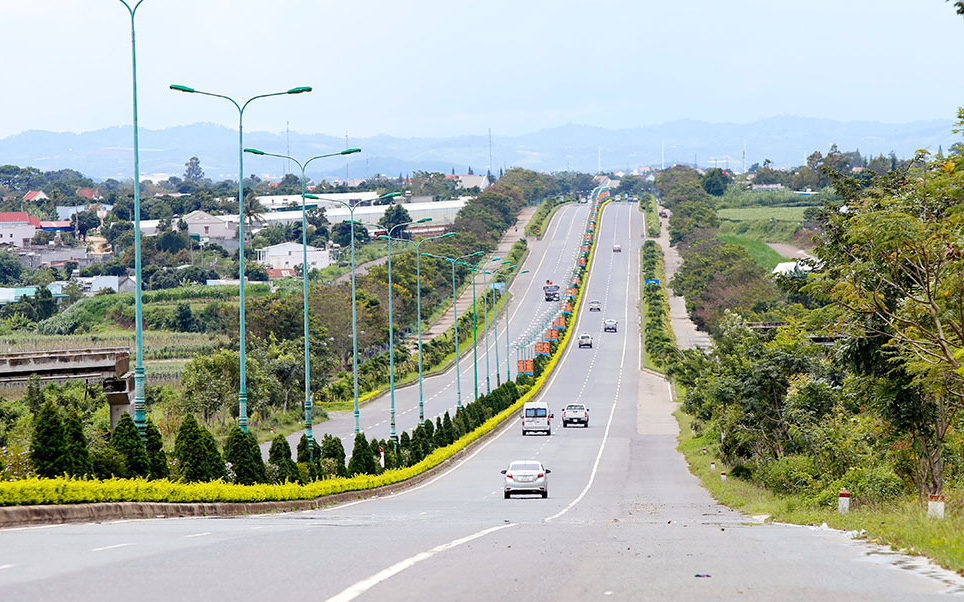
pixel 253 212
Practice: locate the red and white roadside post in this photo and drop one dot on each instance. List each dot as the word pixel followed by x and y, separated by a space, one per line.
pixel 843 502
pixel 935 506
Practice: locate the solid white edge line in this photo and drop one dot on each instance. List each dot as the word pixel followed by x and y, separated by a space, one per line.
pixel 6 566
pixel 364 585
pixel 609 423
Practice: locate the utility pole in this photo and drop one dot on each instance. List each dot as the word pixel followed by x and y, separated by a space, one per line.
pixel 288 147
pixel 489 170
pixel 346 160
pixel 744 155
pixel 662 154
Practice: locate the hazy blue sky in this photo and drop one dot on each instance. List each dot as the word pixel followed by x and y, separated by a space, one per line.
pixel 431 67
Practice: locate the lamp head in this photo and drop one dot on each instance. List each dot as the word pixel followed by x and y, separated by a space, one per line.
pixel 254 151
pixel 181 88
pixel 423 220
pixel 447 235
pixel 311 196
pixel 349 151
pixel 299 90
pixel 390 195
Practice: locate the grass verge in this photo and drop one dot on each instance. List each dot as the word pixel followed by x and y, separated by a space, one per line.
pixel 762 254
pixel 902 524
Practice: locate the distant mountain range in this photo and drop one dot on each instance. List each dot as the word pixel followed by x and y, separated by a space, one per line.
pixel 785 140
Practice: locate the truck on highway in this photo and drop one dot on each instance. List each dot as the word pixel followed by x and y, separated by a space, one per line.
pixel 551 291
pixel 575 413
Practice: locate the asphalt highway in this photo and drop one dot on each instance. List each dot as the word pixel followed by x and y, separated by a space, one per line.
pixel 624 519
pixel 551 258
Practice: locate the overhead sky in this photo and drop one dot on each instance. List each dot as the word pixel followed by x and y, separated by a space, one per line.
pixel 434 68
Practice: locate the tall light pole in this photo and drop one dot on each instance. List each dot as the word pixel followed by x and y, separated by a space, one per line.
pixel 354 304
pixel 475 269
pixel 495 317
pixel 391 328
pixel 243 387
pixel 304 278
pixel 455 311
pixel 508 363
pixel 418 297
pixel 140 420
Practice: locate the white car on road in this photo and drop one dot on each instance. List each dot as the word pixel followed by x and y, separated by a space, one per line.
pixel 525 476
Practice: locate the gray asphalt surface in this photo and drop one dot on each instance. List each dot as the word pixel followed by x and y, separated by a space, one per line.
pixel 551 258
pixel 624 519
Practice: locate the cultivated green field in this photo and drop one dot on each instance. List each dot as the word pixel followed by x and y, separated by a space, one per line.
pixel 783 214
pixel 761 253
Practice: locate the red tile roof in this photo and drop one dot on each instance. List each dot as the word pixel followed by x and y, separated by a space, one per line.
pixel 32 194
pixel 14 217
pixel 282 273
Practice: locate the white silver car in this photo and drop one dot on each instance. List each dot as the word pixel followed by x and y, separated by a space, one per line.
pixel 525 476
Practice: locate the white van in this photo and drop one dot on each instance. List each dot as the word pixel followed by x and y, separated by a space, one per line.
pixel 536 418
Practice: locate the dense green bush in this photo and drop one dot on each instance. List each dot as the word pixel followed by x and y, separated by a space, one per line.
pixel 789 474
pixel 242 452
pixel 78 459
pixel 279 457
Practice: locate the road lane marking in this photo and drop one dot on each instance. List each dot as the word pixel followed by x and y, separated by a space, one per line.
pixel 198 534
pixel 115 546
pixel 366 584
pixel 609 423
pixel 7 566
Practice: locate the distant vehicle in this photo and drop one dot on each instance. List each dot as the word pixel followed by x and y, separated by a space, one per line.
pixel 610 325
pixel 663 214
pixel 551 291
pixel 617 249
pixel 536 418
pixel 525 476
pixel 594 305
pixel 575 413
pixel 585 341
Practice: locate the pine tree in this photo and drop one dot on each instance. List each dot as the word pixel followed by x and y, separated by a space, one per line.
pixel 156 456
pixel 34 398
pixel 257 461
pixel 48 450
pixel 448 429
pixel 280 456
pixel 213 463
pixel 332 449
pixel 305 452
pixel 188 452
pixel 361 461
pixel 127 442
pixel 439 436
pixel 78 458
pixel 248 468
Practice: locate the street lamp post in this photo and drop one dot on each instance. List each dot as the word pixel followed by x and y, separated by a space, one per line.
pixel 304 279
pixel 139 414
pixel 242 388
pixel 508 363
pixel 391 328
pixel 455 312
pixel 418 301
pixel 354 304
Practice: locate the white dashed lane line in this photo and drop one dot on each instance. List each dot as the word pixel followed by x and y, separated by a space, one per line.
pixel 113 547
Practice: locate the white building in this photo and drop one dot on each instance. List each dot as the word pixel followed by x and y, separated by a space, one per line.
pixel 204 224
pixel 17 235
pixel 281 202
pixel 290 254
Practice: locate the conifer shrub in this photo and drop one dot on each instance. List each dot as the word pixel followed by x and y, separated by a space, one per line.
pixel 189 453
pixel 362 461
pixel 48 449
pixel 279 456
pixel 448 430
pixel 126 440
pixel 248 467
pixel 333 450
pixel 78 458
pixel 213 461
pixel 156 456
